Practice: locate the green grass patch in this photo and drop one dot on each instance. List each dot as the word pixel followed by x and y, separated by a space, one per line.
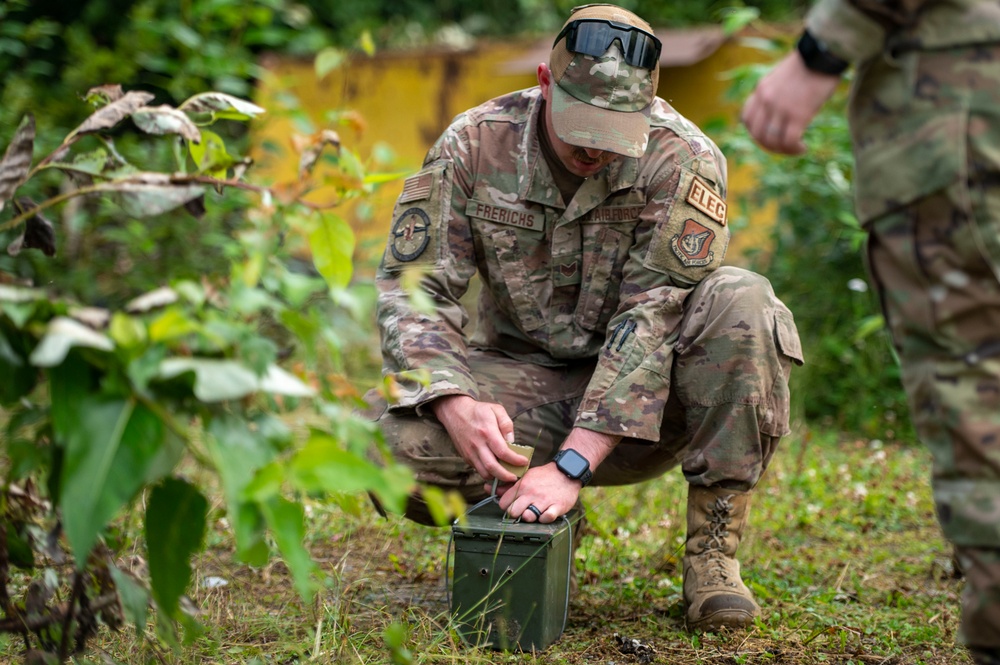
pixel 842 552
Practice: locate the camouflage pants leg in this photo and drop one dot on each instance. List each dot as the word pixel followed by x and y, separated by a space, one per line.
pixel 734 355
pixel 735 347
pixel 937 267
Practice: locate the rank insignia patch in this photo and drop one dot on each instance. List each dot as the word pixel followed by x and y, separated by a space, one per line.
pixel 410 234
pixel 693 244
pixel 704 198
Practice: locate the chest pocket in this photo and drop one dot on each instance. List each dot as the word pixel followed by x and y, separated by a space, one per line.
pixel 601 270
pixel 506 259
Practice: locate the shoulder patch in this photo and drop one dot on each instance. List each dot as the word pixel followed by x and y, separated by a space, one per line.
pixel 411 232
pixel 417 187
pixel 704 198
pixel 418 220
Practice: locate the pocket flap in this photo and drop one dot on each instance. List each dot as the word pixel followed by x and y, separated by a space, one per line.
pixel 893 173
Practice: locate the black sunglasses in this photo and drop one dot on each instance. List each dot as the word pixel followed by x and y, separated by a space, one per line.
pixel 595 36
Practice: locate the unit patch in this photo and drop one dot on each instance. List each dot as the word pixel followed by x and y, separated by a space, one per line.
pixel 704 198
pixel 693 244
pixel 410 234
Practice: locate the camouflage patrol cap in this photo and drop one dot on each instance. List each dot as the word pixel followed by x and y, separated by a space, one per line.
pixel 602 102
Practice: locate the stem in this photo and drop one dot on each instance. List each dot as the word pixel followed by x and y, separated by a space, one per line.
pixel 48 203
pixel 68 618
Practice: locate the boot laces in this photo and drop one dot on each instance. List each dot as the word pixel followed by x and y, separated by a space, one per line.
pixel 714 545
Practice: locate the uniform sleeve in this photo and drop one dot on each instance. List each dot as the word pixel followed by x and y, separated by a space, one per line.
pixel 682 239
pixel 851 30
pixel 430 250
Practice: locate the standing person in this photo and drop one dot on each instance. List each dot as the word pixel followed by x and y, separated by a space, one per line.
pixel 608 337
pixel 925 123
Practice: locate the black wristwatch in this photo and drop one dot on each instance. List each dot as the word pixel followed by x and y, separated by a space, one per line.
pixel 817 56
pixel 574 465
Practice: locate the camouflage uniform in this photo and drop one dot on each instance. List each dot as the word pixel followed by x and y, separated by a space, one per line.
pixel 925 118
pixel 604 312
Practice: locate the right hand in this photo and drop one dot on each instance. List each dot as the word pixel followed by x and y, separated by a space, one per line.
pixel 480 432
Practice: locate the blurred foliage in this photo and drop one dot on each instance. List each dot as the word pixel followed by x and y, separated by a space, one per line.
pixel 815 262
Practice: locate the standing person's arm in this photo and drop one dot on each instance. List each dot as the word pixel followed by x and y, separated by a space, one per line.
pixel 787 99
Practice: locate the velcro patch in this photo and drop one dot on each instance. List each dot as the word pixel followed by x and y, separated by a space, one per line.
pixel 411 233
pixel 693 245
pixel 417 188
pixel 519 217
pixel 704 198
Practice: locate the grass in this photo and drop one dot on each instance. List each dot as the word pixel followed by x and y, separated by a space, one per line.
pixel 842 552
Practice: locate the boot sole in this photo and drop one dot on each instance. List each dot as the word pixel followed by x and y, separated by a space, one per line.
pixel 719 620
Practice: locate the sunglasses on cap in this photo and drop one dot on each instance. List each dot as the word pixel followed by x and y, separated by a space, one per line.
pixel 595 36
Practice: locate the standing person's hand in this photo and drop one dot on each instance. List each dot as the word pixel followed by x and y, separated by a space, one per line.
pixel 480 432
pixel 784 103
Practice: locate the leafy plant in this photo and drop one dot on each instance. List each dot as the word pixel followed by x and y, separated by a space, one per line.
pixel 176 389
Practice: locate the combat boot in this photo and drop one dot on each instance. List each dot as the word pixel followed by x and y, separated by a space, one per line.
pixel 713 591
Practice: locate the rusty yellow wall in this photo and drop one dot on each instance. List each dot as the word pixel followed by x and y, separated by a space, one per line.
pixel 406 100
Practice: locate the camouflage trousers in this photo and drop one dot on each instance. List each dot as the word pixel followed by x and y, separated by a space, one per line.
pixel 727 409
pixel 936 265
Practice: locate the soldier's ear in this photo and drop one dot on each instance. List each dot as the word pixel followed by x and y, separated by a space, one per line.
pixel 544 80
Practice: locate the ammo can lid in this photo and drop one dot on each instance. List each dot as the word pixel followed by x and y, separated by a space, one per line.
pixel 491 523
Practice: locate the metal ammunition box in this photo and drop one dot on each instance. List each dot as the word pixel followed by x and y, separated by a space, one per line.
pixel 510 580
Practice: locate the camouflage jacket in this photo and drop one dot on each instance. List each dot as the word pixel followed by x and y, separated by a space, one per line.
pixel 910 121
pixel 857 30
pixel 603 276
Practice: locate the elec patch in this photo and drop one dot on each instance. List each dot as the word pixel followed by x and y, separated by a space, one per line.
pixel 704 198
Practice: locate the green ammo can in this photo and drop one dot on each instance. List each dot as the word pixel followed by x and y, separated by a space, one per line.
pixel 510 582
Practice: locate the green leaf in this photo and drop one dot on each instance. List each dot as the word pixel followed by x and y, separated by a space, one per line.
pixel 172 324
pixel 211 155
pixel 238 452
pixel 323 466
pixel 175 529
pixel 133 596
pixel 128 332
pixel 63 334
pixel 113 447
pixel 327 60
pixel 287 523
pixel 16 160
pixel 382 178
pixel 367 43
pixel 332 243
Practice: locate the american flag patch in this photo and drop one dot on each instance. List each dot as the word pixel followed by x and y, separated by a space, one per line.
pixel 417 188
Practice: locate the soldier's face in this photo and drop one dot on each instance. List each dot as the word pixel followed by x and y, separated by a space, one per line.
pixel 583 162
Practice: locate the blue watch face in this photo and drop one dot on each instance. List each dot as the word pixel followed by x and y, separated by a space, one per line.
pixel 572 463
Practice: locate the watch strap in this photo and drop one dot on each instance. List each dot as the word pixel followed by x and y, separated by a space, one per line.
pixel 818 58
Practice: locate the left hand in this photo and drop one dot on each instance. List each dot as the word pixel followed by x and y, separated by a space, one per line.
pixel 545 487
pixel 784 103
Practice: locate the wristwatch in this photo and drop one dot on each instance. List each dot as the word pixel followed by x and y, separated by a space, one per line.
pixel 817 56
pixel 574 465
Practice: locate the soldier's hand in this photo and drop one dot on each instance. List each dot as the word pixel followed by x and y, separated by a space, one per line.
pixel 784 103
pixel 544 487
pixel 480 431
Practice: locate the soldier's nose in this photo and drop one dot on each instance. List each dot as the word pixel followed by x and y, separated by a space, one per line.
pixel 593 153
